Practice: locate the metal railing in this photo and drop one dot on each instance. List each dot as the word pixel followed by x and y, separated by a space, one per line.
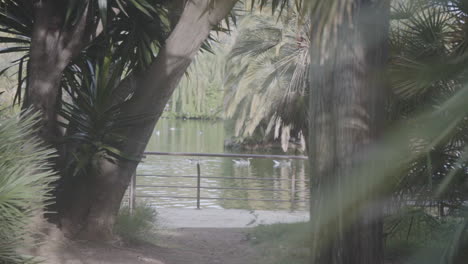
pixel 292 190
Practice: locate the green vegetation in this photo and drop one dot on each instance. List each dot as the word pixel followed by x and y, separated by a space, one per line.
pixel 138 226
pixel 200 92
pixel 319 69
pixel 411 236
pixel 427 68
pixel 266 78
pixel 25 178
pixel 415 236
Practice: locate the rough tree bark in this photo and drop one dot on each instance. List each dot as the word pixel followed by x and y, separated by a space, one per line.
pixel 346 113
pixel 92 217
pixel 52 48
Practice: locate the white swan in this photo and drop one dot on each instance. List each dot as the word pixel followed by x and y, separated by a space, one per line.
pixel 281 163
pixel 192 161
pixel 242 162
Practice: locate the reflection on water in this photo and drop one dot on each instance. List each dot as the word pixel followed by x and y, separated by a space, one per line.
pixel 208 137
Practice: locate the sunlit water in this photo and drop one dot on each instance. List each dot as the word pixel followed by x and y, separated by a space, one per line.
pixel 208 137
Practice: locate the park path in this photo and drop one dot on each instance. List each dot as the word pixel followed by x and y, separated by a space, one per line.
pixel 214 236
pixel 206 246
pixel 208 236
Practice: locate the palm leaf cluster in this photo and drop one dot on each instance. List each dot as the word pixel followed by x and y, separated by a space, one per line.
pixel 125 36
pixel 427 66
pixel 91 115
pixel 25 179
pixel 130 33
pixel 200 92
pixel 266 77
pixel 137 28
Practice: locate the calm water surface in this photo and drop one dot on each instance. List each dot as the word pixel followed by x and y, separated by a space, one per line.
pixel 208 137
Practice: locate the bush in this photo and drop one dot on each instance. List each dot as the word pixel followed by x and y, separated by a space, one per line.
pixel 25 178
pixel 415 236
pixel 139 227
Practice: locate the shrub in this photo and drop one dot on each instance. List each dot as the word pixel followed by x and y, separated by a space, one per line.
pixel 416 236
pixel 25 178
pixel 137 227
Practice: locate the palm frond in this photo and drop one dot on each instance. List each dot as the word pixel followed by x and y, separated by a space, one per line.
pixel 267 76
pixel 93 120
pixel 25 185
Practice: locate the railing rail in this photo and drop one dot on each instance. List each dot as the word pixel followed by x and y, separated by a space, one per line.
pixel 217 177
pixel 226 155
pixel 292 190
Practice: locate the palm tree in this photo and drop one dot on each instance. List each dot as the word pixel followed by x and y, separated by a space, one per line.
pixel 346 116
pixel 266 77
pixel 199 94
pixel 428 65
pixel 82 32
pixel 156 40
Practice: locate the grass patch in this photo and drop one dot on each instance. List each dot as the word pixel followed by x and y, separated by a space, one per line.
pixel 413 237
pixel 282 243
pixel 137 227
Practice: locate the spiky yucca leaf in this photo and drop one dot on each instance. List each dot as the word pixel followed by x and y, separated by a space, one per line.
pixel 136 28
pixel 93 118
pixel 25 178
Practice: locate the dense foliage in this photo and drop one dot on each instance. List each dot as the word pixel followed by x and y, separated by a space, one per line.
pixel 25 178
pixel 266 78
pixel 427 67
pixel 128 40
pixel 200 92
pixel 422 157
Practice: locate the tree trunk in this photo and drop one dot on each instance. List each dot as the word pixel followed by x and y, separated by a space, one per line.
pixel 51 50
pixel 93 217
pixel 346 113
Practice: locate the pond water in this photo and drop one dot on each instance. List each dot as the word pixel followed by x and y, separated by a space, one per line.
pixel 208 137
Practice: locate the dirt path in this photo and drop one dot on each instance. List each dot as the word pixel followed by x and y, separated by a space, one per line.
pixel 206 246
pixel 176 246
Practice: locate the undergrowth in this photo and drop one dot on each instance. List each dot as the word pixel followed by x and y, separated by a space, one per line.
pixel 139 226
pixel 411 237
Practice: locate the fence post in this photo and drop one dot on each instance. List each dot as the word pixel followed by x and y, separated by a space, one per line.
pixel 293 188
pixel 198 184
pixel 132 193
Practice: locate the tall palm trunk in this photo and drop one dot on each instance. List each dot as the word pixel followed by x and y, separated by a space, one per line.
pixel 92 215
pixel 346 113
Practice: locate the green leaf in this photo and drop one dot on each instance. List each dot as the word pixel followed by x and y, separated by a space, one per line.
pixel 142 8
pixel 103 12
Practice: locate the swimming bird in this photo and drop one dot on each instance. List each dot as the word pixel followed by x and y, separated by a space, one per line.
pixel 192 161
pixel 242 162
pixel 281 163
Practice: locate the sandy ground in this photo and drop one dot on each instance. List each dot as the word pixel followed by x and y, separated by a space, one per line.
pixel 176 246
pixel 207 246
